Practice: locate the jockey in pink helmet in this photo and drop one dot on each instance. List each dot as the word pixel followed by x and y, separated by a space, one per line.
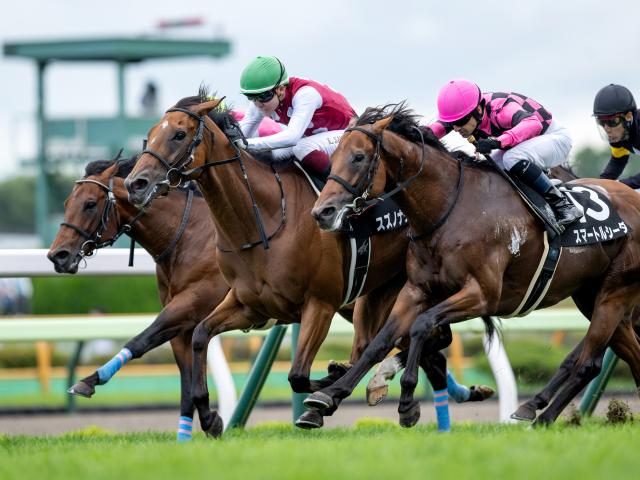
pixel 521 133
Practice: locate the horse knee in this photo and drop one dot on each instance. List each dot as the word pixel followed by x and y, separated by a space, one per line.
pixel 589 369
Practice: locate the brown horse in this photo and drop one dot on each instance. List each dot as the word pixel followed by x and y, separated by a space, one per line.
pixel 459 263
pixel 177 231
pixel 301 277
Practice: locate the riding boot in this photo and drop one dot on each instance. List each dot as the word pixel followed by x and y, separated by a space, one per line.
pixel 533 176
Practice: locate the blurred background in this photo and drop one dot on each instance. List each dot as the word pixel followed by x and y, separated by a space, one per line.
pixel 80 80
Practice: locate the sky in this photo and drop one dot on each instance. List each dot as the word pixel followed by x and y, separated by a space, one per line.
pixel 373 51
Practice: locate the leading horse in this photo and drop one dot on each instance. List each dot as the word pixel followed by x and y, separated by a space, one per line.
pixel 462 262
pixel 303 274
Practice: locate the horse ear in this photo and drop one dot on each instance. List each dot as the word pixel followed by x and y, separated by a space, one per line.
pixel 381 125
pixel 206 107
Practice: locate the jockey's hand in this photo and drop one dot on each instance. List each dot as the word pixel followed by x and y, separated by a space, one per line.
pixel 241 143
pixel 487 144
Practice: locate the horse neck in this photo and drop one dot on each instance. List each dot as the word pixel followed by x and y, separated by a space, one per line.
pixel 427 198
pixel 225 191
pixel 160 223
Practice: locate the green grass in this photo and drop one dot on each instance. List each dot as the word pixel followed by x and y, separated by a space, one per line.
pixel 371 450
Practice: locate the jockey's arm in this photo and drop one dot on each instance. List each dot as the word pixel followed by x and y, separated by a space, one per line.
pixel 305 102
pixel 524 125
pixel 251 121
pixel 615 166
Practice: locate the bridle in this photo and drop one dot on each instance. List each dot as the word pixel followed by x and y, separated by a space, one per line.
pixel 361 191
pixel 94 240
pixel 176 174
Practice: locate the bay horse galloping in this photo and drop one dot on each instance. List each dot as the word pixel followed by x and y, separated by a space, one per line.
pixel 303 274
pixel 475 248
pixel 178 233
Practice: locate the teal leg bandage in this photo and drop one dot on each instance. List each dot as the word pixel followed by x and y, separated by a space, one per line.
pixel 459 393
pixel 110 368
pixel 185 426
pixel 441 402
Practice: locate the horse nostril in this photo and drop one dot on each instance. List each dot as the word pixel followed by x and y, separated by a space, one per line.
pixel 328 212
pixel 139 185
pixel 60 256
pixel 323 214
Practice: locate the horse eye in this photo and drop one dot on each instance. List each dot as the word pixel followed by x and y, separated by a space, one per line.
pixel 179 135
pixel 358 157
pixel 90 205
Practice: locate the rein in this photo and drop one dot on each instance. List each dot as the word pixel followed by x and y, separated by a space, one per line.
pixel 176 174
pixel 361 202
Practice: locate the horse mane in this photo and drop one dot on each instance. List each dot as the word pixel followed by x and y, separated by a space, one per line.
pixel 404 123
pixel 98 166
pixel 223 118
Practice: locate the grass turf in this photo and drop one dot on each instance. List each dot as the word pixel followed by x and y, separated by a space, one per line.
pixel 372 449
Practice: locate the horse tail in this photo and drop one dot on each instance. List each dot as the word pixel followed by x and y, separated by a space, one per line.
pixel 490 327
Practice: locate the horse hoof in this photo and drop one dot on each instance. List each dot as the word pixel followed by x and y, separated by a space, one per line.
pixel 411 416
pixel 524 413
pixel 478 393
pixel 376 394
pixel 216 428
pixel 309 420
pixel 81 389
pixel 541 422
pixel 318 401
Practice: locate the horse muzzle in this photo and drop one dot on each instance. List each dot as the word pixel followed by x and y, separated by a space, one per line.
pixel 329 217
pixel 64 261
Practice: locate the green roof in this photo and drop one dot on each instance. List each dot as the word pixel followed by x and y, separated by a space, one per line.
pixel 117 49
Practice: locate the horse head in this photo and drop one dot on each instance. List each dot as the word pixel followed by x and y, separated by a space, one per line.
pixel 90 218
pixel 355 176
pixel 176 149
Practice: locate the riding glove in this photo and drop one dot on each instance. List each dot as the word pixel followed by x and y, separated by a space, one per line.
pixel 487 144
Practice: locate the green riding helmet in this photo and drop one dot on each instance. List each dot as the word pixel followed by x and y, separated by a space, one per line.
pixel 263 74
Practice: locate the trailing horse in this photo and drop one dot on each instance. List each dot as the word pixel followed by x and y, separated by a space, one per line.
pixel 475 246
pixel 178 232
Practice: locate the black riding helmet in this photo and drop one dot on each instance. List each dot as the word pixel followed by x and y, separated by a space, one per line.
pixel 613 99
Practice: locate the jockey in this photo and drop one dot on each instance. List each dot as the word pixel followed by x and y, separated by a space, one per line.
pixel 522 131
pixel 315 115
pixel 616 115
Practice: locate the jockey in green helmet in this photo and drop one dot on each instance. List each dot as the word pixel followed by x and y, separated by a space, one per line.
pixel 314 115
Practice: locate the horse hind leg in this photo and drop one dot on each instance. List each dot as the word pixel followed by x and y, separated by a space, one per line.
pixel 611 307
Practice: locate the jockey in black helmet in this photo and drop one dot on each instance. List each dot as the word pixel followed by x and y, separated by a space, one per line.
pixel 615 111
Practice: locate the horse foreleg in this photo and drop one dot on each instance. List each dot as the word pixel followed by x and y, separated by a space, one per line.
pixel 394 329
pixel 181 346
pixel 469 302
pixel 527 411
pixel 169 323
pixel 314 327
pixel 229 315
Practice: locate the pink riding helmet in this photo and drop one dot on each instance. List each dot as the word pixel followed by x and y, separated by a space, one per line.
pixel 457 99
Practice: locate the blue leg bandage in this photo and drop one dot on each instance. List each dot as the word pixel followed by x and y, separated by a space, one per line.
pixel 185 426
pixel 110 368
pixel 460 393
pixel 441 402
